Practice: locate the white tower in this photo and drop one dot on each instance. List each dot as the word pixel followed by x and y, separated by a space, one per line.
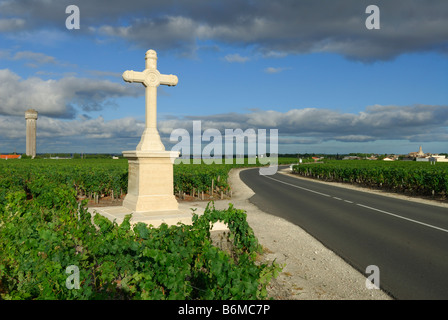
pixel 31 117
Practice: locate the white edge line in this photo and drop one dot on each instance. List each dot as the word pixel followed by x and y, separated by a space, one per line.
pixel 361 205
pixel 292 185
pixel 404 218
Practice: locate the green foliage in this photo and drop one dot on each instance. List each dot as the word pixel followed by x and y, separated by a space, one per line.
pixel 107 176
pixel 44 230
pixel 101 176
pixel 419 178
pixel 200 177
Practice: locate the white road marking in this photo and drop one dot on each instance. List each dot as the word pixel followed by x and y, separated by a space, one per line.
pixel 292 185
pixel 404 218
pixel 361 205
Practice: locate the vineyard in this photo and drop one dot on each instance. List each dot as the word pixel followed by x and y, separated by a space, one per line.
pixel 45 227
pixel 87 177
pixel 97 178
pixel 42 236
pixel 104 178
pixel 413 178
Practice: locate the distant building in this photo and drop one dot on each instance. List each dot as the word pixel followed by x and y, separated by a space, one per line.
pixel 388 159
pixel 426 157
pixel 440 158
pixel 31 118
pixel 10 156
pixel 419 154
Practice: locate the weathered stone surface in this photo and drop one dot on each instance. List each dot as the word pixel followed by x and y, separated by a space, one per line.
pixel 150 181
pixel 31 118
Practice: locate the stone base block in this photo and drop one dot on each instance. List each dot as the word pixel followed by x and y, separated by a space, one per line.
pixel 143 203
pixel 150 181
pixel 156 218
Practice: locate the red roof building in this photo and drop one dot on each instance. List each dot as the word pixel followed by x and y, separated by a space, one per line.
pixel 10 156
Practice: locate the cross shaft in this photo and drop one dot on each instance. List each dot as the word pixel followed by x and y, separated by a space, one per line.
pixel 151 78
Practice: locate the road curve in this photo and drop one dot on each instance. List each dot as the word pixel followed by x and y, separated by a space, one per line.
pixel 406 240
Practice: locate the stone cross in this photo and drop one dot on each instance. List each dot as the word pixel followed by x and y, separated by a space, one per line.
pixel 151 78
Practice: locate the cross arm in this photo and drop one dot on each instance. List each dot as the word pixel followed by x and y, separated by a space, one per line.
pixel 168 79
pixel 133 76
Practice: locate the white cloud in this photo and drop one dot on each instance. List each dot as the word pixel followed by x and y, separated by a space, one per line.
pixel 374 123
pixel 284 27
pixel 13 24
pixel 36 57
pixel 275 28
pixel 272 70
pixel 236 58
pixel 162 32
pixel 89 135
pixel 354 138
pixel 58 98
pixel 309 126
pixel 274 54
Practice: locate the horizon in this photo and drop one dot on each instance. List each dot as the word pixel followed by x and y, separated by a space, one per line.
pixel 286 155
pixel 313 70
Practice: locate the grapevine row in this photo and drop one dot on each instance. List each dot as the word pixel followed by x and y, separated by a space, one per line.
pixel 44 231
pixel 404 177
pixel 107 177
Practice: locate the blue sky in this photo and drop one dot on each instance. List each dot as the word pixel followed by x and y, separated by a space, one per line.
pixel 310 69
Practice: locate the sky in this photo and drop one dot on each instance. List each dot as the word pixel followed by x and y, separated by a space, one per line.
pixel 313 70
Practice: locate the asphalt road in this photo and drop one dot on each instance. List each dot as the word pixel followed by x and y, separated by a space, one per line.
pixel 407 241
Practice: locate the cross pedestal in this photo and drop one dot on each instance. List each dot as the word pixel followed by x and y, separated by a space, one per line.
pixel 150 180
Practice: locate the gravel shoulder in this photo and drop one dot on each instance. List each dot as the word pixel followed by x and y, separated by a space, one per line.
pixel 311 271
